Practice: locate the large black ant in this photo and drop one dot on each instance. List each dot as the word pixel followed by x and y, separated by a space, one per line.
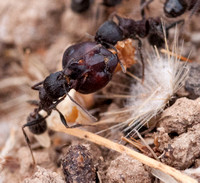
pixel 109 33
pixel 175 8
pixel 87 67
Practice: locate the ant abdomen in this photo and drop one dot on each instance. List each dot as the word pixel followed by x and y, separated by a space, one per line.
pixel 38 128
pixel 109 33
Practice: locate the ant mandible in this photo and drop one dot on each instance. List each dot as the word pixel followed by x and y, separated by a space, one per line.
pixel 87 67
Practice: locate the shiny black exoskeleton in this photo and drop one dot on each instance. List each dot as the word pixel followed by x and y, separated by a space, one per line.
pixel 175 8
pixel 110 32
pixel 87 67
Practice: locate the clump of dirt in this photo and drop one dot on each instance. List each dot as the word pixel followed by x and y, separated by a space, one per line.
pixel 44 176
pixel 127 169
pixel 78 166
pixel 178 134
pixel 179 117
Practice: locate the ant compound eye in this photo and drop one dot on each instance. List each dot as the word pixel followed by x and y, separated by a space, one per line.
pixel 174 8
pixel 55 85
pixel 109 32
pixel 79 6
pixel 38 128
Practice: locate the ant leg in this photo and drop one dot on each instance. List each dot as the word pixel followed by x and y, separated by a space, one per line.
pixel 92 117
pixel 36 86
pixel 144 4
pixel 82 108
pixel 121 64
pixel 33 102
pixel 174 24
pixel 62 118
pixel 141 56
pixel 28 143
pixel 31 123
pixel 194 9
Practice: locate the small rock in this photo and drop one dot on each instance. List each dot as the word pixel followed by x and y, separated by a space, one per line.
pixel 126 169
pixel 180 116
pixel 184 149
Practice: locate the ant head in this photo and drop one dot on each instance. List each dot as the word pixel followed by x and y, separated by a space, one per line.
pixel 174 8
pixel 55 85
pixel 41 125
pixel 108 33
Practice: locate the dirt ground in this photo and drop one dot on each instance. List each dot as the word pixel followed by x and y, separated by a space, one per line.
pixel 33 37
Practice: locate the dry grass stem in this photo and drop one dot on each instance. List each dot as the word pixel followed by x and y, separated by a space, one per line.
pixel 123 149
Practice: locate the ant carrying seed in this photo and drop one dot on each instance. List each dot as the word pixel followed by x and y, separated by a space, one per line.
pixel 87 67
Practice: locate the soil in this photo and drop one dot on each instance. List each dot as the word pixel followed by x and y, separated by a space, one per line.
pixel 33 37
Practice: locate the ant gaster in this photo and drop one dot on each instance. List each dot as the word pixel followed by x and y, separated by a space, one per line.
pixel 87 67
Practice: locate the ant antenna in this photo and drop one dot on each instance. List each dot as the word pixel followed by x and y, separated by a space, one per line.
pixel 121 64
pixel 174 24
pixel 194 9
pixel 141 56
